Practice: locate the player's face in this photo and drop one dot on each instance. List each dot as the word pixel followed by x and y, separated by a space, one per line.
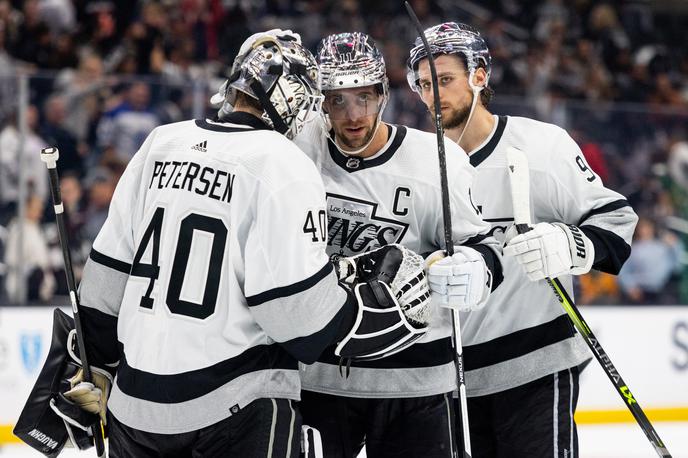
pixel 455 93
pixel 353 113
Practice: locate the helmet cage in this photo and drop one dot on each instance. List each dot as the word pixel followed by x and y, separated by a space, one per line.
pixel 283 76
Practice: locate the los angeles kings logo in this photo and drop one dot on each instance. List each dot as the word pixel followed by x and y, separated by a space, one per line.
pixel 354 226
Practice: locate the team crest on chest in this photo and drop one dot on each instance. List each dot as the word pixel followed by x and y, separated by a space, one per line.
pixel 354 226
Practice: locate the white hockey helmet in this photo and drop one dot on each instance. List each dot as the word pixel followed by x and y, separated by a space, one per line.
pixel 450 38
pixel 282 75
pixel 352 60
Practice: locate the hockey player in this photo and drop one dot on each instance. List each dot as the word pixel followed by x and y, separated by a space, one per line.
pixel 522 355
pixel 210 278
pixel 382 184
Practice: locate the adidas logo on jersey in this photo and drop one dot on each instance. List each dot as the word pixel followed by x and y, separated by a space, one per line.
pixel 202 147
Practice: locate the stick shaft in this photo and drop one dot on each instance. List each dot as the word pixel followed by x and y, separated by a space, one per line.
pixel 462 414
pixel 71 285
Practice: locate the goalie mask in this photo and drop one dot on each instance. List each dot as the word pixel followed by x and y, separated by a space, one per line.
pixel 352 60
pixel 282 75
pixel 450 38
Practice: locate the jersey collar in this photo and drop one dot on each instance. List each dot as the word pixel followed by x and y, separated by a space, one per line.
pixel 236 117
pixel 354 164
pixel 479 155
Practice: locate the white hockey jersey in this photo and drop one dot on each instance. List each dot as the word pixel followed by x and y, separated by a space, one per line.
pixel 394 197
pixel 206 262
pixel 523 333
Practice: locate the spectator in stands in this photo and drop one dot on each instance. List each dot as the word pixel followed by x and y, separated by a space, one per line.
pixel 32 254
pixel 83 90
pixel 55 133
pixel 34 170
pixel 653 260
pixel 100 185
pixel 123 129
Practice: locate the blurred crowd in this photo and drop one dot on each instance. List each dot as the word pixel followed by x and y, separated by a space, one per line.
pixel 102 74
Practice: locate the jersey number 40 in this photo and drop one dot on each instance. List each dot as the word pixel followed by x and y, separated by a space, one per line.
pixel 191 223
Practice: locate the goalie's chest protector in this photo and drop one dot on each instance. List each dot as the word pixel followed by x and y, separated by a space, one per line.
pixel 392 197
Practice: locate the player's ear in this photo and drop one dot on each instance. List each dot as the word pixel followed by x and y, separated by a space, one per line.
pixel 480 77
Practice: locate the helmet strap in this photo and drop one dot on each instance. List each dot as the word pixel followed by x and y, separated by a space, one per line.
pixel 277 121
pixel 476 93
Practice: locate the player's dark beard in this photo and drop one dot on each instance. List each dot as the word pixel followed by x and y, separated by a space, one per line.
pixel 456 117
pixel 356 143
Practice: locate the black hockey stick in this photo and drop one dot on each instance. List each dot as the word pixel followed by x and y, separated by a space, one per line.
pixel 519 178
pixel 464 438
pixel 50 156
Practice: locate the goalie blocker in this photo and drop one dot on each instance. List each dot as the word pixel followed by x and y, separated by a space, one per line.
pixel 49 421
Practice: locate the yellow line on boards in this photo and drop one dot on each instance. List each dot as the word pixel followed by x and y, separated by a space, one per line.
pixel 6 436
pixel 596 417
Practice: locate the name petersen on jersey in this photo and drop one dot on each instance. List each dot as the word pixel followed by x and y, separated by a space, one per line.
pixel 354 226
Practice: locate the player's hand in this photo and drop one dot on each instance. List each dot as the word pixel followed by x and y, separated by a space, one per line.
pixel 462 281
pixel 550 250
pixel 91 397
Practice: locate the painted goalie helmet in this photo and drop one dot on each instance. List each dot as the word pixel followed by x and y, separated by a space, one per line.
pixel 450 38
pixel 352 60
pixel 282 75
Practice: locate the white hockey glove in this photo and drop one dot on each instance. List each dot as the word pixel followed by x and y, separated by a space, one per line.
pixel 462 281
pixel 550 250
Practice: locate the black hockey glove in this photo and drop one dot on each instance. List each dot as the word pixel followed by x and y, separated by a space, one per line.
pixel 393 300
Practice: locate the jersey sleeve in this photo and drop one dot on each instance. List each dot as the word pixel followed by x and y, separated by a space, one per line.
pixel 468 227
pixel 107 268
pixel 290 285
pixel 574 194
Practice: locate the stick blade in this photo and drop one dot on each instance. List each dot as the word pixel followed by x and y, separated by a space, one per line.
pixel 519 178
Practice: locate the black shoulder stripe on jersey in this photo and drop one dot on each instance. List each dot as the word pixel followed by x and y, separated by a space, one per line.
pixel 100 330
pixel 491 261
pixel 607 208
pixel 483 153
pixel 435 353
pixel 107 261
pixel 611 251
pixel 359 164
pixel 295 288
pixel 309 348
pixel 517 343
pixel 175 388
pixel 236 117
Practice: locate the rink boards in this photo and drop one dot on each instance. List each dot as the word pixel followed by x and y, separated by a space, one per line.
pixel 648 346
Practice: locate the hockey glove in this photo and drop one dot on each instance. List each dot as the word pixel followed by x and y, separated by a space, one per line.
pixel 462 281
pixel 82 402
pixel 550 250
pixel 393 300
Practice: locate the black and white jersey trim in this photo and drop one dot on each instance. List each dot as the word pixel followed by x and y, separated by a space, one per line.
pixel 176 388
pixel 517 343
pixel 418 355
pixel 237 117
pixel 295 288
pixel 483 153
pixel 112 263
pixel 611 251
pixel 360 164
pixel 607 208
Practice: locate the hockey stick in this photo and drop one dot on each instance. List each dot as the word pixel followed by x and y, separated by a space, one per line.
pixel 519 178
pixel 465 438
pixel 50 156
